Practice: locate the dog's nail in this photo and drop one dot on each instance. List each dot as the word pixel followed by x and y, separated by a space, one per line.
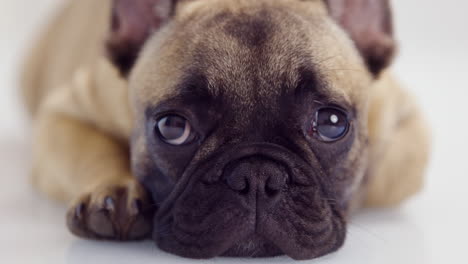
pixel 136 207
pixel 79 210
pixel 109 204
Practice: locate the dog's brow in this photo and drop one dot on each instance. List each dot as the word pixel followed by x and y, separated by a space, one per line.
pixel 307 81
pixel 194 84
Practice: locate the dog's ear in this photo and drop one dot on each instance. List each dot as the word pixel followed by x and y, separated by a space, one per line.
pixel 369 24
pixel 132 23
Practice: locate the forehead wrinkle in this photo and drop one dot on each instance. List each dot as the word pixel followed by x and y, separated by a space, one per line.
pixel 226 63
pixel 265 68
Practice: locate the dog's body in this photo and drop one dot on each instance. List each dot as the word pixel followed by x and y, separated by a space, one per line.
pixel 86 113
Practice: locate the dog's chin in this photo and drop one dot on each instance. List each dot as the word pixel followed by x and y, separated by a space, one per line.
pixel 253 246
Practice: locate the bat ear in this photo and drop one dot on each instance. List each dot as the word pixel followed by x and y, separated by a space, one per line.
pixel 369 24
pixel 132 23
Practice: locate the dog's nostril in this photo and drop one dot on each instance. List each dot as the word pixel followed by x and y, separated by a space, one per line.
pixel 271 191
pixel 238 183
pixel 237 177
pixel 275 184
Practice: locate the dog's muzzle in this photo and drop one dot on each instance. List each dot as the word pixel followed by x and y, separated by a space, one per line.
pixel 243 202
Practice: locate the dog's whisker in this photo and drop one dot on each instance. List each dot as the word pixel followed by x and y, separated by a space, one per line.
pixel 319 63
pixel 354 70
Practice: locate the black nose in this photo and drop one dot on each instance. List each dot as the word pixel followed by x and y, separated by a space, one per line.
pixel 248 176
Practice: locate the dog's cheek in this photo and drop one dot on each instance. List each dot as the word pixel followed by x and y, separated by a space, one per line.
pixel 202 205
pixel 305 224
pixel 205 222
pixel 144 169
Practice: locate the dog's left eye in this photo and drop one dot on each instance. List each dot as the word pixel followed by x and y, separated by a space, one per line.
pixel 174 130
pixel 330 124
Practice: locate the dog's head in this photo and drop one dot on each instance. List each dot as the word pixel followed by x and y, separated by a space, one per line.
pixel 250 118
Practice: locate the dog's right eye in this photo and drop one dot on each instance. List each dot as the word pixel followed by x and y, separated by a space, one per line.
pixel 174 130
pixel 330 124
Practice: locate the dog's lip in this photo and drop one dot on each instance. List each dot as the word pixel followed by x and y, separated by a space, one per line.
pixel 264 241
pixel 251 243
pixel 257 245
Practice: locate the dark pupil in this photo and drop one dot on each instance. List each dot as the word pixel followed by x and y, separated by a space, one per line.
pixel 331 123
pixel 171 127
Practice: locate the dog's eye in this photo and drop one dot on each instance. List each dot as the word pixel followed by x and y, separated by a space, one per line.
pixel 330 124
pixel 174 130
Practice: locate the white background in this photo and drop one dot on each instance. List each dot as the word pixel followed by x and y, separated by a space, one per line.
pixel 431 228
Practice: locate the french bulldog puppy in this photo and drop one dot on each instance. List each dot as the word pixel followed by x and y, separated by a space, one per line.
pixel 222 127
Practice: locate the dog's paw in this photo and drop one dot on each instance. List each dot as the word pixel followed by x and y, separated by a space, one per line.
pixel 120 212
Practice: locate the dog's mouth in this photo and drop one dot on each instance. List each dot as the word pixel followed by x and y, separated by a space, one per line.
pixel 261 203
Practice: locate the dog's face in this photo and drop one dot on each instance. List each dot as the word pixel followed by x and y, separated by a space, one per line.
pixel 250 126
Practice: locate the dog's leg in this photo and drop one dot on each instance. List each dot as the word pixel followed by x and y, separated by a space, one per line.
pixel 75 160
pixel 399 148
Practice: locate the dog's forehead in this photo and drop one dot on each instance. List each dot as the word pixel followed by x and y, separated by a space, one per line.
pixel 247 49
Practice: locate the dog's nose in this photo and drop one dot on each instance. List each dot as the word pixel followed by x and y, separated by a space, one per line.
pixel 266 177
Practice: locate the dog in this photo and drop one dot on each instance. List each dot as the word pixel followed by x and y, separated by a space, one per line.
pixel 222 127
